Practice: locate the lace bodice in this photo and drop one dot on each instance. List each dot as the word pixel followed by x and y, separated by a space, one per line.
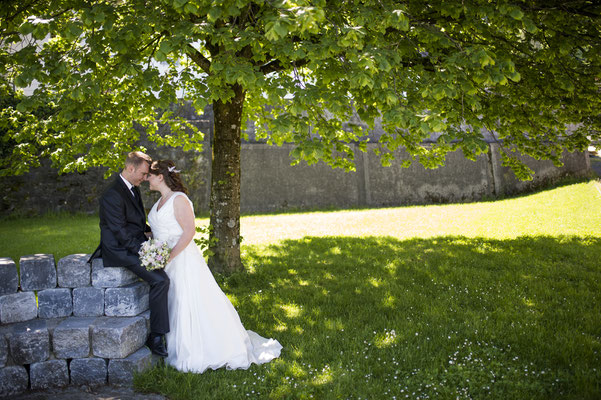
pixel 163 223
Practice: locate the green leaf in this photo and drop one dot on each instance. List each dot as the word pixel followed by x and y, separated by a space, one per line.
pixel 26 28
pixel 529 25
pixel 22 107
pixel 191 8
pixel 402 22
pixel 485 59
pixel 439 92
pixel 281 29
pixel 214 14
pixel 516 13
pixel 514 76
pixel 75 30
pixel 99 17
pixel 165 47
pixel 567 85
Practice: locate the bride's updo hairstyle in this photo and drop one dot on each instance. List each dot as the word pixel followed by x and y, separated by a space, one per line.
pixel 170 175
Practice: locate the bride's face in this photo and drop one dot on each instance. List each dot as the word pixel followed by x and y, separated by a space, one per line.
pixel 154 181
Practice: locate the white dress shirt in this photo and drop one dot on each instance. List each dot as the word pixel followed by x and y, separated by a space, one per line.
pixel 129 185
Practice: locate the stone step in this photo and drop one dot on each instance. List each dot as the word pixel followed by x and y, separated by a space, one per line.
pixel 13 380
pixel 74 271
pixel 71 338
pixel 29 342
pixel 121 370
pixel 9 279
pixel 88 371
pixel 38 272
pixel 105 277
pixel 118 337
pixel 49 374
pixel 126 301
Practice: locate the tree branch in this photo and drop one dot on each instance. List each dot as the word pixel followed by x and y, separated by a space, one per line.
pixel 276 65
pixel 19 11
pixel 199 59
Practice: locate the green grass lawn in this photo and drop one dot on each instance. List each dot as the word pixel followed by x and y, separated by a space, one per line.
pixel 490 300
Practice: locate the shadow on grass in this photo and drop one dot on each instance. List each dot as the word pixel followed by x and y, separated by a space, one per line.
pixel 444 317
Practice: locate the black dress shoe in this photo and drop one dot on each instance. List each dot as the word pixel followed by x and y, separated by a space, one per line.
pixel 156 345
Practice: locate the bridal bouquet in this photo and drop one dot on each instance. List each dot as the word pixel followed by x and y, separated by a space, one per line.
pixel 154 254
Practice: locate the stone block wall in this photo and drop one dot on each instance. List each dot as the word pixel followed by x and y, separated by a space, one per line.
pixel 70 323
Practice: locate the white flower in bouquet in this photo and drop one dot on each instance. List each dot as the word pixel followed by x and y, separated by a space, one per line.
pixel 154 254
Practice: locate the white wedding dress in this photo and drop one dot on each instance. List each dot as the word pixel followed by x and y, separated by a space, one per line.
pixel 205 329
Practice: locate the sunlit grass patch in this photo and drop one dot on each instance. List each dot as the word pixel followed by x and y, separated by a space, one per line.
pixel 59 235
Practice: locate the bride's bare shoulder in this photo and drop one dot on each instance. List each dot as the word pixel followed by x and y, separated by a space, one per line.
pixel 181 200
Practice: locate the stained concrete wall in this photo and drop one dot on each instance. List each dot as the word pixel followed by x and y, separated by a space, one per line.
pixel 574 164
pixel 458 180
pixel 270 183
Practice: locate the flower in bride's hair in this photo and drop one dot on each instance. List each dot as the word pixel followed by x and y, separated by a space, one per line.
pixel 172 169
pixel 154 254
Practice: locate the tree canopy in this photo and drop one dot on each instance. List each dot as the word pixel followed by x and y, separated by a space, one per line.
pixel 300 69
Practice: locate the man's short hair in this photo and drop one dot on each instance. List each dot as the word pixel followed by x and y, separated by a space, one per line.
pixel 136 158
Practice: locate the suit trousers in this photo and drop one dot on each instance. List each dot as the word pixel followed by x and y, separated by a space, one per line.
pixel 157 298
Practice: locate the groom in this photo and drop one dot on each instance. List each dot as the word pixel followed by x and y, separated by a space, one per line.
pixel 123 229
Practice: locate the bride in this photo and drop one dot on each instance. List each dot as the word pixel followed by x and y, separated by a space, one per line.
pixel 205 329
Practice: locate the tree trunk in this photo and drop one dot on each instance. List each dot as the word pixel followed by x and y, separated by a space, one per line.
pixel 225 185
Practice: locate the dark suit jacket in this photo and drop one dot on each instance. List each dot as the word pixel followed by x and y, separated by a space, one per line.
pixel 122 226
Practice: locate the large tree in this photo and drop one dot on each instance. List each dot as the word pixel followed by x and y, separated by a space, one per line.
pixel 527 70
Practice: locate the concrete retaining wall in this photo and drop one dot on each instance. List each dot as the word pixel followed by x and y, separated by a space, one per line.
pixel 270 183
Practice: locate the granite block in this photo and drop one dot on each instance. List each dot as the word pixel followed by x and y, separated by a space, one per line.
pixel 88 302
pixel 55 303
pixel 38 272
pixel 126 301
pixel 13 380
pixel 146 316
pixel 121 370
pixel 3 350
pixel 88 371
pixel 74 271
pixel 9 279
pixel 118 337
pixel 71 338
pixel 17 307
pixel 49 374
pixel 29 342
pixel 105 277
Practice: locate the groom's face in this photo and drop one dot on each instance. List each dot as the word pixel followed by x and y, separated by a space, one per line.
pixel 140 174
